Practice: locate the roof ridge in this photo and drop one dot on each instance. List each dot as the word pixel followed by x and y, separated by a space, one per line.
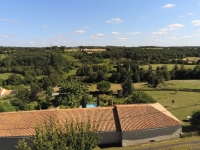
pixel 49 110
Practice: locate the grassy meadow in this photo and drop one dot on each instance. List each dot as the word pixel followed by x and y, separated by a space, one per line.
pixel 169 66
pixel 5 76
pixel 184 102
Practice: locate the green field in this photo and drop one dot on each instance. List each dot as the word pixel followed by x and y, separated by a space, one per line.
pixel 169 66
pixel 5 76
pixel 184 102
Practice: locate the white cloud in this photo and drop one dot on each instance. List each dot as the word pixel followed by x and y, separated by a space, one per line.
pixel 79 32
pixel 122 39
pixel 100 34
pixel 7 35
pixel 190 14
pixel 161 31
pixel 158 40
pixel 115 33
pixel 31 42
pixel 134 33
pixel 196 35
pixel 186 36
pixel 86 27
pixel 196 22
pixel 198 30
pixel 171 37
pixel 181 16
pixel 175 26
pixel 168 6
pixel 46 26
pixel 114 20
pixel 9 20
pixel 95 38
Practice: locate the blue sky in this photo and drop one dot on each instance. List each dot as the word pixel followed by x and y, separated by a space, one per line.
pixel 41 23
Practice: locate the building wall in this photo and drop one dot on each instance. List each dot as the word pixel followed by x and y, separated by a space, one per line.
pixel 110 137
pixel 8 143
pixel 145 136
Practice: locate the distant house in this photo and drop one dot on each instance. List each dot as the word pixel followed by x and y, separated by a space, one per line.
pixel 4 92
pixel 122 124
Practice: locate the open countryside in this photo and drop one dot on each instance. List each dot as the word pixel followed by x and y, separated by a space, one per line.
pixel 84 75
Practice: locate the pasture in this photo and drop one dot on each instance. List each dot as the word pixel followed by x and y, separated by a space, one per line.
pixel 184 102
pixel 5 76
pixel 169 66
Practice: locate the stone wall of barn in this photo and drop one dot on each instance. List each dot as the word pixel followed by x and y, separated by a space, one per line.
pixel 8 143
pixel 110 137
pixel 150 135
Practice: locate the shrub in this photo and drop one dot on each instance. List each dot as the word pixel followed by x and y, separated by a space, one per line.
pixel 140 97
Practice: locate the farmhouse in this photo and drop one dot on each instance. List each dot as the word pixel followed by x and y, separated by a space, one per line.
pixel 122 124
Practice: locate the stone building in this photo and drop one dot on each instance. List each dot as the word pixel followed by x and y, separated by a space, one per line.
pixel 122 124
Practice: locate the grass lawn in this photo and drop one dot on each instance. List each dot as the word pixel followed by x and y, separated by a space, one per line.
pixel 70 73
pixel 184 102
pixel 172 84
pixel 169 66
pixel 5 76
pixel 179 142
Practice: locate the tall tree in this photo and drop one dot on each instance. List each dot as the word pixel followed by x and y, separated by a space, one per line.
pixel 127 87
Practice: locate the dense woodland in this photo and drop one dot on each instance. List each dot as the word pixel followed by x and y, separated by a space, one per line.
pixel 34 70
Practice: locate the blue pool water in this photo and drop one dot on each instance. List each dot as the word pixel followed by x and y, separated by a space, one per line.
pixel 90 105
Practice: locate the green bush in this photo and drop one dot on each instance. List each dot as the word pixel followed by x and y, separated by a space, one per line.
pixel 140 97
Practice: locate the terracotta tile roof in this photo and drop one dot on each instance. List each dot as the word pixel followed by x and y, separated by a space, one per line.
pixel 23 123
pixel 119 118
pixel 145 116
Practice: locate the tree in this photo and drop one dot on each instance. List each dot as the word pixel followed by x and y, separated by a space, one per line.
pixel 71 92
pixel 55 136
pixel 14 80
pixel 136 77
pixel 140 97
pixel 195 120
pixel 127 87
pixel 103 86
pixel 34 91
pixel 49 92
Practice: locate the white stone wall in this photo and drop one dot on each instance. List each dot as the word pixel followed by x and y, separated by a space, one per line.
pixel 145 136
pixel 110 137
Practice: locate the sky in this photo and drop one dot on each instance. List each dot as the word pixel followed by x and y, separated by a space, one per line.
pixel 43 23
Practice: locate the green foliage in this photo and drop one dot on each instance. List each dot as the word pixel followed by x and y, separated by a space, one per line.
pixel 140 97
pixel 54 136
pixel 103 86
pixel 49 92
pixel 71 92
pixel 195 120
pixel 127 87
pixel 6 106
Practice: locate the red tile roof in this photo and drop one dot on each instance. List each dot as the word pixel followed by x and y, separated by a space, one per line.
pixel 23 123
pixel 119 118
pixel 145 116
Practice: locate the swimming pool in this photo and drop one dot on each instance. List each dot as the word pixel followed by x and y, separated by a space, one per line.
pixel 93 105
